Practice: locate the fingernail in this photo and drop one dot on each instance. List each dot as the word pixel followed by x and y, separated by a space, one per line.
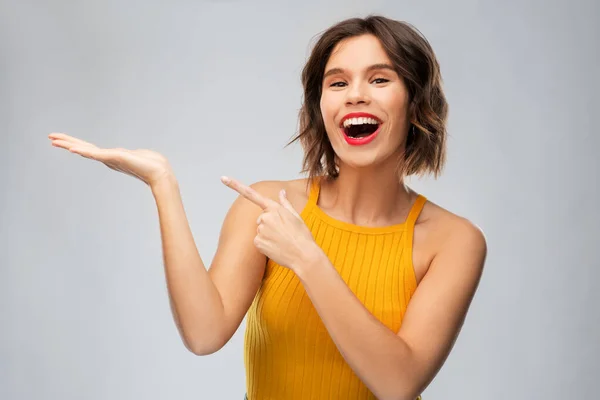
pixel 225 179
pixel 283 193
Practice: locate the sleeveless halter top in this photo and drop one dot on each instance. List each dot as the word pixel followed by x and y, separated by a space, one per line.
pixel 288 353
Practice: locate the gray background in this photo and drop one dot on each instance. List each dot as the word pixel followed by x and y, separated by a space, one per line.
pixel 215 87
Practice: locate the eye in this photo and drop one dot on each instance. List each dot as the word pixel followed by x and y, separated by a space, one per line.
pixel 380 80
pixel 337 84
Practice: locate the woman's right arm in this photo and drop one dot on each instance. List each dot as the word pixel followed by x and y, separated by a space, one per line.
pixel 208 306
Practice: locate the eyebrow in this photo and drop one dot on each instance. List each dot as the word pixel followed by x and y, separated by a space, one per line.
pixel 373 67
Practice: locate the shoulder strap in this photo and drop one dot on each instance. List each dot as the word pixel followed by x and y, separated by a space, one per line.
pixel 411 220
pixel 416 210
pixel 315 188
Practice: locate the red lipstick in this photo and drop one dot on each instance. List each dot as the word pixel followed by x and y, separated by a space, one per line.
pixel 361 140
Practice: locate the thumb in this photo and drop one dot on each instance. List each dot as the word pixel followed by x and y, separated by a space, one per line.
pixel 286 204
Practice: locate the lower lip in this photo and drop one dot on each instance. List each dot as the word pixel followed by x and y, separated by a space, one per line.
pixel 360 141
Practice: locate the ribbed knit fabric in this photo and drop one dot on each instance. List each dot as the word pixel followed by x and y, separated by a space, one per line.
pixel 288 353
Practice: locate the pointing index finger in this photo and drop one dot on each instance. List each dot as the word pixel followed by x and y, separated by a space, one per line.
pixel 248 193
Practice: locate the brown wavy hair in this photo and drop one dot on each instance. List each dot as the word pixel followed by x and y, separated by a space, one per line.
pixel 414 61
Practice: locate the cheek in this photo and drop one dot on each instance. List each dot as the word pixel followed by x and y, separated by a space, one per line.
pixel 398 111
pixel 395 100
pixel 328 112
pixel 326 109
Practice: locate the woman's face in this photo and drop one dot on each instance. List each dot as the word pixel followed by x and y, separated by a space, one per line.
pixel 364 103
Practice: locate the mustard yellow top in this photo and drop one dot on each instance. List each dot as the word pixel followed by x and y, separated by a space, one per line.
pixel 288 353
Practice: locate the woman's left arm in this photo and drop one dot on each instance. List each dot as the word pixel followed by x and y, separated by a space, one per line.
pixel 393 366
pixel 399 366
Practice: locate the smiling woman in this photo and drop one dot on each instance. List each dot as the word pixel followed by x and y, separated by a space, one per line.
pixel 355 286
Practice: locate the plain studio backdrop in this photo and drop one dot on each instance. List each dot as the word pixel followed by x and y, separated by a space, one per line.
pixel 215 87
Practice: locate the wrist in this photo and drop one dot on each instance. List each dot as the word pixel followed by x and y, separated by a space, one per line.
pixel 167 182
pixel 312 257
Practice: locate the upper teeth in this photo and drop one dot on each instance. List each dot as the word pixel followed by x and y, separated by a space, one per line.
pixel 359 121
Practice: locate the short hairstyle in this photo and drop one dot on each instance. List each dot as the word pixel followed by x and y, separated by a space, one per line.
pixel 414 61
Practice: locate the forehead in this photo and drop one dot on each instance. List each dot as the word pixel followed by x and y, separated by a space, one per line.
pixel 357 53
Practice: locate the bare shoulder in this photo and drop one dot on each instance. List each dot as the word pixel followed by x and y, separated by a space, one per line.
pixel 452 235
pixel 297 191
pixel 269 188
pixel 450 224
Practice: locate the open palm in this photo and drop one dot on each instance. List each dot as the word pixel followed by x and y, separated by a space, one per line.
pixel 145 165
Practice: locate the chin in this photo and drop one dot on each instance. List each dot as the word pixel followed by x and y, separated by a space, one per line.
pixel 359 161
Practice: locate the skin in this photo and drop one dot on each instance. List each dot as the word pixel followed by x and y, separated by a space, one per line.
pixel 448 251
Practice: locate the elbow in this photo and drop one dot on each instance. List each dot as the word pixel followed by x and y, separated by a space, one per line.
pixel 202 345
pixel 202 348
pixel 402 395
pixel 404 389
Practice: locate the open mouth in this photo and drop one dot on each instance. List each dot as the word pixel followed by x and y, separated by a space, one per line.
pixel 360 130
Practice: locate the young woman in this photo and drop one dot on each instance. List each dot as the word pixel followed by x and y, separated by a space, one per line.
pixel 355 286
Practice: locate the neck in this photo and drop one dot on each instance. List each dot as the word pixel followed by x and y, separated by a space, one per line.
pixel 373 196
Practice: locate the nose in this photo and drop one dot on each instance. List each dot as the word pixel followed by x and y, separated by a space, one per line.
pixel 356 94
